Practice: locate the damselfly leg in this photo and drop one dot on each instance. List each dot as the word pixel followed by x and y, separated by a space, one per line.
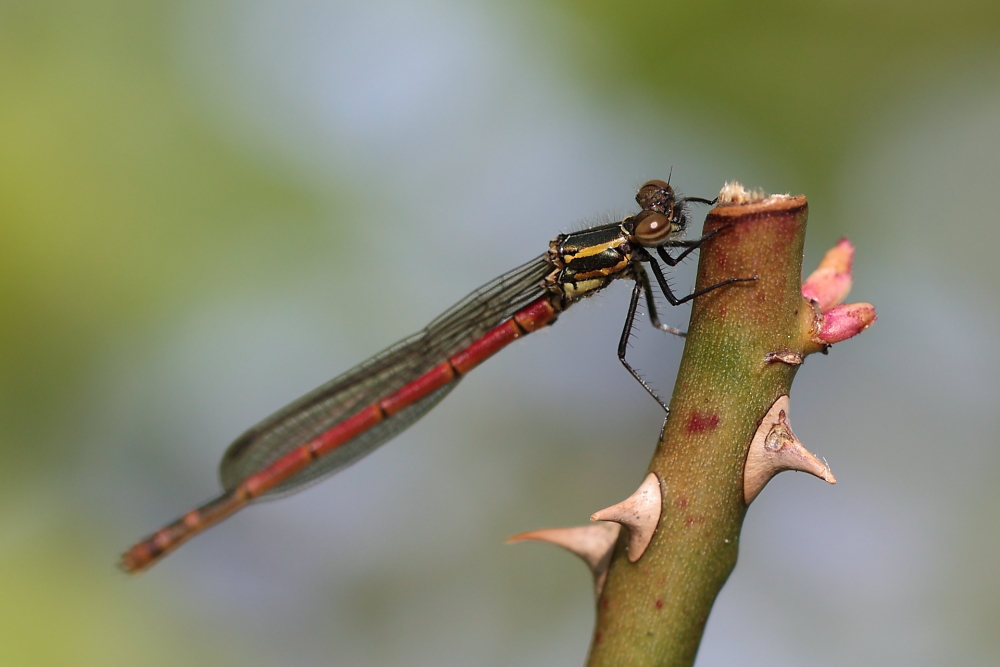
pixel 642 285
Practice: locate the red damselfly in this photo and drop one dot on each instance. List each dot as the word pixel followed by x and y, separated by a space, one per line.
pixel 338 423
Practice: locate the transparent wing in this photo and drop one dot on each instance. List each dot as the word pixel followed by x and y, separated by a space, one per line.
pixel 376 378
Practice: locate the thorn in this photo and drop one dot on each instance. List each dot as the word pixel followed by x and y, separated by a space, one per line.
pixel 775 448
pixel 594 544
pixel 640 513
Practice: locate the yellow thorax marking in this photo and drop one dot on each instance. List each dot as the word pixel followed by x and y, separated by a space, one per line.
pixel 582 287
pixel 595 249
pixel 604 271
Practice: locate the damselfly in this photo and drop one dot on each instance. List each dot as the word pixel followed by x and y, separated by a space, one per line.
pixel 338 423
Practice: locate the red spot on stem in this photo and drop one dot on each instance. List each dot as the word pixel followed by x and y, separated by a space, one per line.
pixel 699 423
pixel 659 604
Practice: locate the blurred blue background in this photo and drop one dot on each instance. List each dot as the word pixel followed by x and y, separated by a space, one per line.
pixel 207 209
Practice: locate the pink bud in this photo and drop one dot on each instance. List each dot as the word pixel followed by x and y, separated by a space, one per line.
pixel 845 321
pixel 830 283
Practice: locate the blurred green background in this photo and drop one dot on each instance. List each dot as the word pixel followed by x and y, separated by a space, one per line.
pixel 207 209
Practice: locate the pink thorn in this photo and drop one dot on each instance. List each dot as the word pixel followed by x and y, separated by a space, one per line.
pixel 830 283
pixel 592 543
pixel 845 321
pixel 595 544
pixel 775 448
pixel 640 513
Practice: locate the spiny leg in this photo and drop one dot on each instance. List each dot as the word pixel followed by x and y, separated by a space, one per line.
pixel 690 245
pixel 643 277
pixel 674 301
pixel 623 344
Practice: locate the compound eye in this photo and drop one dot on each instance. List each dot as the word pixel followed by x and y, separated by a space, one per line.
pixel 655 196
pixel 652 229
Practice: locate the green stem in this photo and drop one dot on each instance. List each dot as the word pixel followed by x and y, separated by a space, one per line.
pixel 653 611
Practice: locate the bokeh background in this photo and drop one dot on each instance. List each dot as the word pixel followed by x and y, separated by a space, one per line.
pixel 208 208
